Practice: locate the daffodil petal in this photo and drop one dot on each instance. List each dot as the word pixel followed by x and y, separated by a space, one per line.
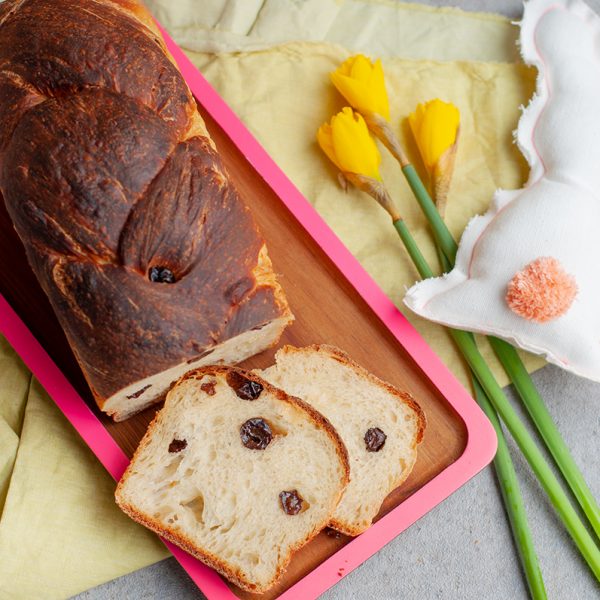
pixel 355 150
pixel 434 126
pixel 377 85
pixel 372 160
pixel 361 69
pixel 415 121
pixel 324 139
pixel 346 67
pixel 352 90
pixel 344 138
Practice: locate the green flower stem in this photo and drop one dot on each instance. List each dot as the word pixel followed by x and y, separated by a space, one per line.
pixel 530 451
pixel 513 365
pixel 513 501
pixel 443 237
pixel 411 247
pixel 534 457
pixel 509 487
pixel 545 425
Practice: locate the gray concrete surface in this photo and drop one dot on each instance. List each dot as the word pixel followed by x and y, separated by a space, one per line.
pixel 509 8
pixel 463 548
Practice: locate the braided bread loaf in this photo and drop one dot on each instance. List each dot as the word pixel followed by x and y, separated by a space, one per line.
pixel 152 263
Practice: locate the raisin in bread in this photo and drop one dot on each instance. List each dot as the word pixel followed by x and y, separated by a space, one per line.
pixel 150 259
pixel 380 425
pixel 237 473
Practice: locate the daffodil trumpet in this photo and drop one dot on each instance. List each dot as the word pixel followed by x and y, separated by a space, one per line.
pixel 361 82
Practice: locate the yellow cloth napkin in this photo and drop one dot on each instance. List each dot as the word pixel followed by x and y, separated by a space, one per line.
pixel 379 27
pixel 60 531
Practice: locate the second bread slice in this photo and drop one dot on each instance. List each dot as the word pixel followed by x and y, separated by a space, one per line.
pixel 380 425
pixel 237 473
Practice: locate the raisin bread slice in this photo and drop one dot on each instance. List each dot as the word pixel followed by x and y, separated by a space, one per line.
pixel 380 425
pixel 237 473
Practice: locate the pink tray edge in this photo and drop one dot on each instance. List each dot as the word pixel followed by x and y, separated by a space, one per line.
pixel 481 443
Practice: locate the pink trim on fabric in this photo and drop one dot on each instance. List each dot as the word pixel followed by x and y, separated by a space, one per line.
pixel 533 144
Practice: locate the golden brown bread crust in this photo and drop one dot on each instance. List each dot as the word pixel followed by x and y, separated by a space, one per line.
pixel 403 397
pixel 106 173
pixel 233 575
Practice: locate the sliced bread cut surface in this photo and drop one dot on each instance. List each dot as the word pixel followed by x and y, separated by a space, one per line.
pixel 237 473
pixel 379 425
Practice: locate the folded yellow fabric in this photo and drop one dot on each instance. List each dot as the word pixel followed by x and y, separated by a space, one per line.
pixel 284 94
pixel 60 530
pixel 380 27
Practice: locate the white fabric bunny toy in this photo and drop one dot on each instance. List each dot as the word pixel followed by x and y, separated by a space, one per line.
pixel 528 270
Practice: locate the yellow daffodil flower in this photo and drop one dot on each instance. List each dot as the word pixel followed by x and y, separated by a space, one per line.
pixel 348 144
pixel 435 127
pixel 362 84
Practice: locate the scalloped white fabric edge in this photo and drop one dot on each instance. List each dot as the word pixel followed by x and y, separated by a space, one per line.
pixel 556 214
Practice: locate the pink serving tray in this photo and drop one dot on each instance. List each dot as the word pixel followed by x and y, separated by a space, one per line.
pixel 481 442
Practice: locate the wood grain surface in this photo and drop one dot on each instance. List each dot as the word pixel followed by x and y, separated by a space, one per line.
pixel 327 309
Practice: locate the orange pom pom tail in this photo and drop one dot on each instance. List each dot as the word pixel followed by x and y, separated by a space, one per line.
pixel 542 291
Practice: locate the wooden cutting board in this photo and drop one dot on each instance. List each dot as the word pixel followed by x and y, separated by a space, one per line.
pixel 328 310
